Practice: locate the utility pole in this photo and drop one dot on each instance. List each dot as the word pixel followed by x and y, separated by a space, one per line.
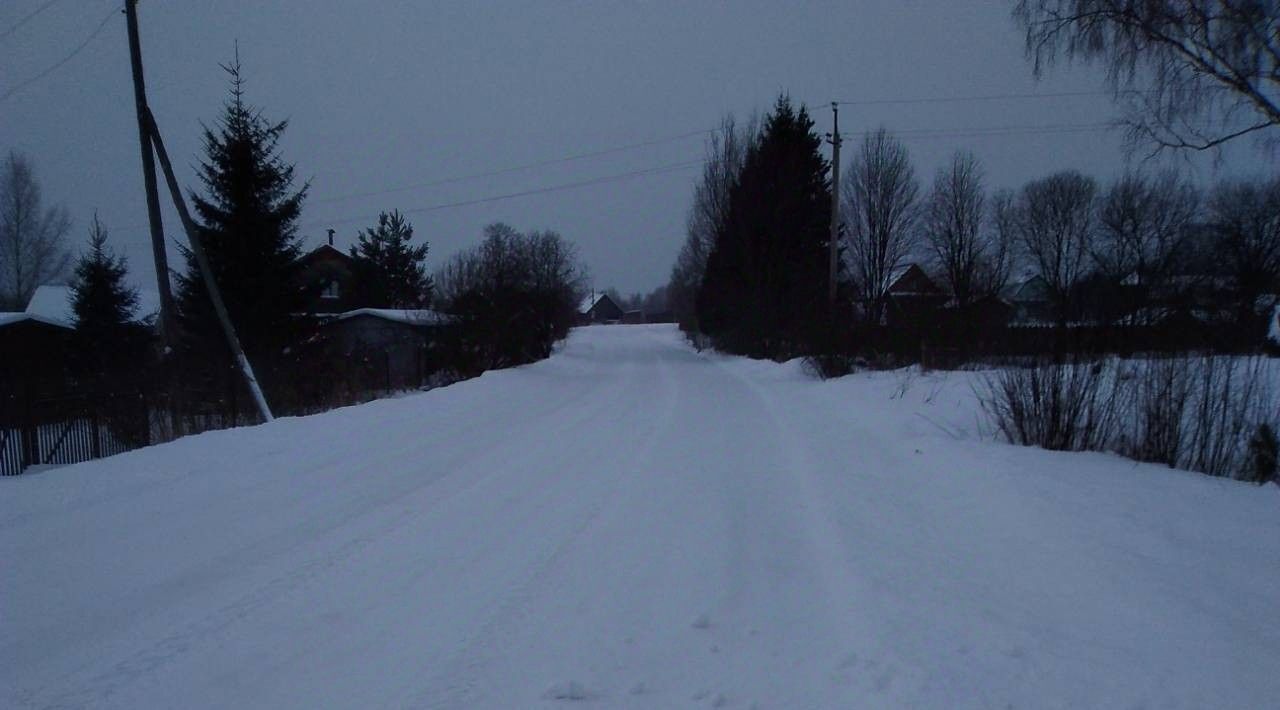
pixel 834 240
pixel 167 331
pixel 202 260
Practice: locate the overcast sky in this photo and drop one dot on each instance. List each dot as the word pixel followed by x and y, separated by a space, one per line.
pixel 388 97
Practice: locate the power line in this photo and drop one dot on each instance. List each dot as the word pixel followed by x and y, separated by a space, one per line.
pixel 988 131
pixel 79 48
pixel 673 167
pixel 30 16
pixel 517 168
pixel 989 97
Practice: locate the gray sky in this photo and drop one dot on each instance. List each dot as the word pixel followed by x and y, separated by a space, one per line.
pixel 384 95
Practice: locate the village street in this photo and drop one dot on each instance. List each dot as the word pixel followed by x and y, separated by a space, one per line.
pixel 634 524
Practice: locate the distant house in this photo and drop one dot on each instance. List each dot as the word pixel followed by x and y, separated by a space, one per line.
pixel 599 308
pixel 1030 300
pixel 912 298
pixel 327 276
pixel 635 317
pixel 391 344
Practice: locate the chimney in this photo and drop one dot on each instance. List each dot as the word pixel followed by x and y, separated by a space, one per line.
pixel 330 237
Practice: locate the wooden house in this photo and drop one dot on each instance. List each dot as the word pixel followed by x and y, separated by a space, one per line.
pixel 599 308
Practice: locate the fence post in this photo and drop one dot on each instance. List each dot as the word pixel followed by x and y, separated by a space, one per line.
pixel 28 451
pixel 95 443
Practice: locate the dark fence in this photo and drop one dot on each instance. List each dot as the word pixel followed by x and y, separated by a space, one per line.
pixel 64 429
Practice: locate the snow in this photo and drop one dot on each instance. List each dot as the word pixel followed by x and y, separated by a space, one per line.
pixel 410 316
pixel 634 524
pixel 54 304
pixel 9 317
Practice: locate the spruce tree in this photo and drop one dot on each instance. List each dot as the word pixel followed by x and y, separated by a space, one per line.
pixel 248 214
pixel 389 271
pixel 764 292
pixel 106 339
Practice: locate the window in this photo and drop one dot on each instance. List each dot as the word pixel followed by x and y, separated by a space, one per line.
pixel 332 291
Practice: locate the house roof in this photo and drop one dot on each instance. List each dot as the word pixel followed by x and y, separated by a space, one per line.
pixel 902 275
pixel 325 252
pixel 55 304
pixel 589 302
pixel 409 316
pixel 11 317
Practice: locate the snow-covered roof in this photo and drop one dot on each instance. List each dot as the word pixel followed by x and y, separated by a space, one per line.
pixel 589 302
pixel 411 316
pixel 54 303
pixel 10 317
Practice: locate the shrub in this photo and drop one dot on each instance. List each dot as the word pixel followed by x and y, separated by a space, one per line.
pixel 1262 463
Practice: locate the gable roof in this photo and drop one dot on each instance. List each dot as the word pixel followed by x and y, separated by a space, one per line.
pixel 55 304
pixel 590 302
pixel 909 280
pixel 325 252
pixel 11 317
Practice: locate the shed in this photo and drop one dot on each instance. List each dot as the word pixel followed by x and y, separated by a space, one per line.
pixel 389 344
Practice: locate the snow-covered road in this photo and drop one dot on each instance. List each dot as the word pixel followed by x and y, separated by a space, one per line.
pixel 633 524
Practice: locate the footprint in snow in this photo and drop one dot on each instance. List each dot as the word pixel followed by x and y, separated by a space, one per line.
pixel 573 691
pixel 702 622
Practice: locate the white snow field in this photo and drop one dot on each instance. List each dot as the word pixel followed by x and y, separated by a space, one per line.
pixel 633 524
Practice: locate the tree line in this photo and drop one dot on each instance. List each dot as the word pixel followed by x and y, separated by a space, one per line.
pixel 507 300
pixel 752 273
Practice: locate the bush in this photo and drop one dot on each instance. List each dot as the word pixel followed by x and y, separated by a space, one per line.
pixel 1215 415
pixel 1262 463
pixel 1059 406
pixel 513 297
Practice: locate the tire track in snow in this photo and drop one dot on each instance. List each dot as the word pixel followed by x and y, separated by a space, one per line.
pixel 102 686
pixel 461 678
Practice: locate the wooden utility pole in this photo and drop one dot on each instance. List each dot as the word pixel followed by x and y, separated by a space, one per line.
pixel 202 260
pixel 834 240
pixel 167 331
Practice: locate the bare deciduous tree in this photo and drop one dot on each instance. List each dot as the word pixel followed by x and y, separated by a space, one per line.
pixel 1194 74
pixel 1142 223
pixel 1143 228
pixel 880 212
pixel 1053 221
pixel 970 254
pixel 725 152
pixel 1246 215
pixel 32 249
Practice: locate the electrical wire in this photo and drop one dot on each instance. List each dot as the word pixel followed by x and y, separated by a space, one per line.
pixel 661 169
pixel 79 48
pixel 30 16
pixel 517 168
pixel 957 99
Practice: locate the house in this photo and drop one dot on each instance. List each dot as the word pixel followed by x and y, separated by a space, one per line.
pixel 599 308
pixel 327 276
pixel 912 298
pixel 33 348
pixel 1030 300
pixel 635 317
pixel 36 341
pixel 388 345
pixel 55 303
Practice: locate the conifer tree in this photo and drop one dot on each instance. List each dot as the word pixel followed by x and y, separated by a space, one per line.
pixel 390 272
pixel 248 214
pixel 764 292
pixel 104 306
